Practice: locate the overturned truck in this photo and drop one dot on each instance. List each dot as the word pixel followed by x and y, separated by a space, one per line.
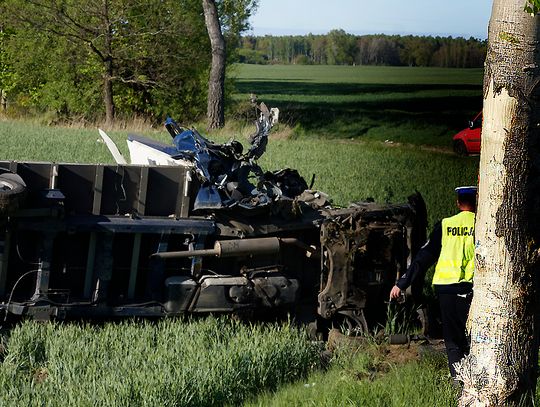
pixel 213 235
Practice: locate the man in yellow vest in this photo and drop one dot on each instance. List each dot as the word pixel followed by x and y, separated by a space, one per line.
pixel 451 244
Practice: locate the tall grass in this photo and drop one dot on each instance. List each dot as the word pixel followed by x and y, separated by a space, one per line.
pixel 370 378
pixel 351 171
pixel 170 363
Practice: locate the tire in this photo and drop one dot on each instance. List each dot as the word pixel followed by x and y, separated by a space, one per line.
pixel 12 193
pixel 460 148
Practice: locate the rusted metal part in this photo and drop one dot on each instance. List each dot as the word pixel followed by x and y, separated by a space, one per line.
pixel 341 239
pixel 364 248
pixel 241 248
pixel 230 248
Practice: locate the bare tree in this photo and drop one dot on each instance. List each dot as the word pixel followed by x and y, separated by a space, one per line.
pixel 502 366
pixel 216 82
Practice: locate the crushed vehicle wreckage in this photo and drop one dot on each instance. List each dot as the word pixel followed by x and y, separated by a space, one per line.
pixel 195 227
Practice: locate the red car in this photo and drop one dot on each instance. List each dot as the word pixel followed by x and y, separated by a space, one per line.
pixel 467 141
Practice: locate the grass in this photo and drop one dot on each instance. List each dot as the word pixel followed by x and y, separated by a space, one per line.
pixel 421 106
pixel 351 171
pixel 374 376
pixel 24 141
pixel 358 74
pixel 400 319
pixel 210 362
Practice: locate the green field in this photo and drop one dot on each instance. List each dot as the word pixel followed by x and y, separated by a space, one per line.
pixel 340 118
pixel 401 104
pixel 388 75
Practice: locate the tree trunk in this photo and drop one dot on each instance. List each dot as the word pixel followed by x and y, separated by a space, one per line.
pixel 109 67
pixel 3 100
pixel 108 94
pixel 3 97
pixel 216 82
pixel 502 366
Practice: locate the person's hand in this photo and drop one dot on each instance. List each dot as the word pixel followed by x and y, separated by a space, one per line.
pixel 395 292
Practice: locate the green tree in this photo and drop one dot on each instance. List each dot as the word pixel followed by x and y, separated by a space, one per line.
pixel 234 20
pixel 88 58
pixel 319 49
pixel 340 48
pixel 77 45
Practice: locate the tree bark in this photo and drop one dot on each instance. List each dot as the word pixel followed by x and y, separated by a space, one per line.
pixel 108 94
pixel 502 366
pixel 216 82
pixel 108 99
pixel 3 97
pixel 3 100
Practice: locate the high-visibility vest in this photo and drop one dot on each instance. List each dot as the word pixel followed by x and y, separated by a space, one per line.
pixel 456 261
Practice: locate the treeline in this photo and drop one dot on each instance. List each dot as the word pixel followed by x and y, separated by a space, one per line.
pixel 89 60
pixel 340 48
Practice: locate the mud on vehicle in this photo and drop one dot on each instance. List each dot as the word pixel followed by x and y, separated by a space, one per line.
pixel 213 234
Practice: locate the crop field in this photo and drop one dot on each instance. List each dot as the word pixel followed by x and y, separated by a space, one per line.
pixel 209 362
pixel 400 104
pixel 340 118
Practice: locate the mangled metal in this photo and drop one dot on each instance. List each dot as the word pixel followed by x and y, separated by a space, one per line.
pixel 224 171
pixel 198 227
pixel 378 240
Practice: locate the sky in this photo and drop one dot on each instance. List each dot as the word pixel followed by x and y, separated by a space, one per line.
pixel 458 18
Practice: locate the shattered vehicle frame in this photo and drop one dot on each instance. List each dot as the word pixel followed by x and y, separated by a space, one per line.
pixel 208 232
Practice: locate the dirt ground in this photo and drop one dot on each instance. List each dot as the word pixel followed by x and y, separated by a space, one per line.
pixel 383 354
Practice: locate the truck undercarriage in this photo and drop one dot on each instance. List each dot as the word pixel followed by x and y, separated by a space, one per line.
pixel 195 236
pixel 87 240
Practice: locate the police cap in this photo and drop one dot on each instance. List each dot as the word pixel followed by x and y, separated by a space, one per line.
pixel 470 190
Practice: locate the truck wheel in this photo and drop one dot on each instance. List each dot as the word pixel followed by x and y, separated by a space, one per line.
pixel 460 148
pixel 12 191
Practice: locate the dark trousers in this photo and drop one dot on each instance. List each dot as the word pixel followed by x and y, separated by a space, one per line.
pixel 454 312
